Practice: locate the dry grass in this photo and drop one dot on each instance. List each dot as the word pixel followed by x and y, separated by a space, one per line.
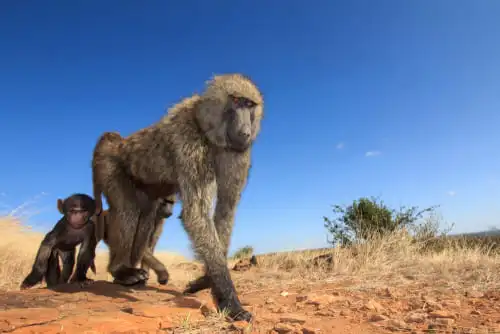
pixel 395 259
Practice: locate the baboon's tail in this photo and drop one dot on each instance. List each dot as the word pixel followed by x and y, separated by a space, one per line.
pixel 105 149
pixel 92 267
pixel 100 226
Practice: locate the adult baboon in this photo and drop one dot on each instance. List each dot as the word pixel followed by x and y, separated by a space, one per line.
pixel 149 260
pixel 202 141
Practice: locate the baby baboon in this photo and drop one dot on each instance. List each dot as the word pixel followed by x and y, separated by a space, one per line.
pixel 74 228
pixel 165 210
pixel 202 141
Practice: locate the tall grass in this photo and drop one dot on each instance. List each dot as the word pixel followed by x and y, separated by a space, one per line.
pixel 392 259
pixel 397 258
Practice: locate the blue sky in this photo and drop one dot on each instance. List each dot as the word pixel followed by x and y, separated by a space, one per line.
pixel 416 83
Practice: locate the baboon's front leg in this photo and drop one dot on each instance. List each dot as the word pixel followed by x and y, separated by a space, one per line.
pixel 201 230
pixel 53 275
pixel 41 264
pixel 228 196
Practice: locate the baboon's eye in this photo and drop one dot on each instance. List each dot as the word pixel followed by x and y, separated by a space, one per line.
pixel 243 102
pixel 249 104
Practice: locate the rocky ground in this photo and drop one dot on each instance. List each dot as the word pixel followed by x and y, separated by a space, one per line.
pixel 335 305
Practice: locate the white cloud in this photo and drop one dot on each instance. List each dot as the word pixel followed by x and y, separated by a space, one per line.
pixel 452 193
pixel 340 146
pixel 372 153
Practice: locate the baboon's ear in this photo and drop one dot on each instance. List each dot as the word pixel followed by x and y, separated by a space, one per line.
pixel 60 206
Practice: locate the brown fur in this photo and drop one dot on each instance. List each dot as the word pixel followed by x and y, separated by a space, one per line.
pixel 202 144
pixel 149 260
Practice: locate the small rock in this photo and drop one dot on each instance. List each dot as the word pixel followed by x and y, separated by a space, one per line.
pixel 345 313
pixel 416 317
pixel 452 303
pixel 378 317
pixel 284 293
pixel 293 318
pixel 310 330
pixel 320 301
pixel 445 321
pixel 389 293
pixel 397 324
pixel 474 294
pixel 325 313
pixel 243 265
pixel 373 306
pixel 279 309
pixel 299 306
pixel 285 328
pixel 301 298
pixel 240 325
pixel 475 312
pixel 269 301
pixel 433 305
pixel 442 314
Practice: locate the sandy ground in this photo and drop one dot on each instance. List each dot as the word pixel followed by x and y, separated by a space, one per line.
pixel 324 306
pixel 382 286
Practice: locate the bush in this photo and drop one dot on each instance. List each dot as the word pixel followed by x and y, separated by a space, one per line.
pixel 369 217
pixel 243 252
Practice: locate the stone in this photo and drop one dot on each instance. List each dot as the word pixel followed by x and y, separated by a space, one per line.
pixel 285 328
pixel 442 314
pixel 397 324
pixel 445 321
pixel 372 305
pixel 378 317
pixel 293 318
pixel 416 318
pixel 474 294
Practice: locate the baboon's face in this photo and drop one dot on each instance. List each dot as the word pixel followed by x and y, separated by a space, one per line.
pixel 78 210
pixel 166 208
pixel 240 115
pixel 230 112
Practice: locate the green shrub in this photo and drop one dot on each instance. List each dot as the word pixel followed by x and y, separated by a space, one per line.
pixel 368 217
pixel 243 252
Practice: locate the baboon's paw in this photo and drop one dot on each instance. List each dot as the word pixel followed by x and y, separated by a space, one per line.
pixel 201 283
pixel 130 276
pixel 163 278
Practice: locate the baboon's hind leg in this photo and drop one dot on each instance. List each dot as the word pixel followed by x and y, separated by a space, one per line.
pixel 123 220
pixel 150 261
pixel 68 261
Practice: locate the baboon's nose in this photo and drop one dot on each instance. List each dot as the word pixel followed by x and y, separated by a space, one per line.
pixel 244 134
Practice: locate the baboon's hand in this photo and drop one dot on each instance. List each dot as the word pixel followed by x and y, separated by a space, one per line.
pixel 236 311
pixel 130 276
pixel 163 278
pixel 86 282
pixel 201 283
pixel 29 281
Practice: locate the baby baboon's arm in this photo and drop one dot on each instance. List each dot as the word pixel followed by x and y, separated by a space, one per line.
pixel 41 263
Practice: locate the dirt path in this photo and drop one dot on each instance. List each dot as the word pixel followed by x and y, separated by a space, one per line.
pixel 304 308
